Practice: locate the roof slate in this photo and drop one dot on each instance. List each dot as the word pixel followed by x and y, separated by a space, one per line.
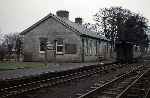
pixel 72 25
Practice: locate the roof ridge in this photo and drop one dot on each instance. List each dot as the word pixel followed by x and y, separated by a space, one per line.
pixel 79 29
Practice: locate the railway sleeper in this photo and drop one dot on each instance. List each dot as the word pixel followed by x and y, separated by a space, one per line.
pixel 98 84
pixel 114 90
pixel 122 84
pixel 137 92
pixel 78 94
pixel 105 96
pixel 126 81
pixel 139 83
pixel 109 93
pixel 94 87
pixel 134 96
pixel 119 87
pixel 138 86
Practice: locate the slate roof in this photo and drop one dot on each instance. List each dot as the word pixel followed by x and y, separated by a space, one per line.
pixel 80 29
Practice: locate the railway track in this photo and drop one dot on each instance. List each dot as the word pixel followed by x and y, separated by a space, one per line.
pixel 128 85
pixel 19 86
pixel 51 79
pixel 139 88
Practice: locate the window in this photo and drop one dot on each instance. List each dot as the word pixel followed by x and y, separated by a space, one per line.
pixel 59 46
pixel 43 42
pixel 94 47
pixel 90 47
pixel 70 48
pixel 85 43
pixel 136 48
pixel 86 47
pixel 98 47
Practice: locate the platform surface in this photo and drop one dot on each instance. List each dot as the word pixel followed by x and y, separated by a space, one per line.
pixel 52 67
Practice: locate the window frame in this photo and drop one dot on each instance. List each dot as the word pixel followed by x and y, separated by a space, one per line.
pixel 40 39
pixel 59 45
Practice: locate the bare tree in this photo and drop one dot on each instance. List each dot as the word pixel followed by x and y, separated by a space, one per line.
pixel 18 47
pixel 13 45
pixel 111 21
pixel 124 27
pixel 2 47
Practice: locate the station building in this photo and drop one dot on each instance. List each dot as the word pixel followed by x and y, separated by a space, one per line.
pixel 67 41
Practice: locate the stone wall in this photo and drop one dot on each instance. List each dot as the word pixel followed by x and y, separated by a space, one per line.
pixel 52 30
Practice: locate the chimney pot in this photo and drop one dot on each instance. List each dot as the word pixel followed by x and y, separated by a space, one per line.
pixel 78 20
pixel 63 14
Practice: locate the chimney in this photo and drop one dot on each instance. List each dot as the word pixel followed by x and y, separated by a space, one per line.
pixel 63 14
pixel 78 20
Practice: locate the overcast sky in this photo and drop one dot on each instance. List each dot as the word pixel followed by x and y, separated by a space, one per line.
pixel 17 15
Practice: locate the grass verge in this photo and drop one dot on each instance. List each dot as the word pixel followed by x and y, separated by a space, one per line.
pixel 18 65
